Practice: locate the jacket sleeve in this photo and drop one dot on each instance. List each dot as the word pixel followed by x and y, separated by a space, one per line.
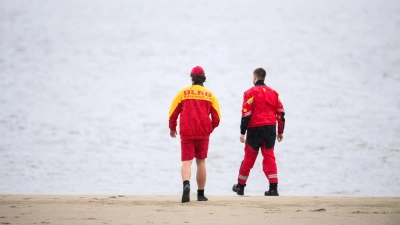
pixel 247 110
pixel 280 115
pixel 215 112
pixel 174 111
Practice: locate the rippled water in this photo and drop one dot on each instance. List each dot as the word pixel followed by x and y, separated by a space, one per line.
pixel 85 90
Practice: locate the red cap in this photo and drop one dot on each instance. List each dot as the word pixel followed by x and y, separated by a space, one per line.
pixel 198 71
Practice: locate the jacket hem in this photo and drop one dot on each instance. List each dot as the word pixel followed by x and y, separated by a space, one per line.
pixel 195 137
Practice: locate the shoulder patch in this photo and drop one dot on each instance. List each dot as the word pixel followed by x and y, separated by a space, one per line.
pixel 250 100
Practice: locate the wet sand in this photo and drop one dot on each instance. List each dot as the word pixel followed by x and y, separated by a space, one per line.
pixel 167 209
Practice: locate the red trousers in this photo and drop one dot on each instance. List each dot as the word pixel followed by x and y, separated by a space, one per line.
pixel 269 165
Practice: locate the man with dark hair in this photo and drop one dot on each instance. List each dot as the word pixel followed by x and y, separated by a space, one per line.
pixel 261 111
pixel 194 104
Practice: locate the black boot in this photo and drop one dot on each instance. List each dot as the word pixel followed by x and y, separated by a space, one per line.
pixel 186 192
pixel 238 188
pixel 200 196
pixel 273 190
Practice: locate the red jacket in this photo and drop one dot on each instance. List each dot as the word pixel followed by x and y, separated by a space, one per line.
pixel 262 107
pixel 195 104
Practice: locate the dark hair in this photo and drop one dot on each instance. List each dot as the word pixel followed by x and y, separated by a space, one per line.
pixel 260 73
pixel 198 79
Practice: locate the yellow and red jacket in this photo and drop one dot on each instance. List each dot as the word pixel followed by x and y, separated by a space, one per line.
pixel 194 104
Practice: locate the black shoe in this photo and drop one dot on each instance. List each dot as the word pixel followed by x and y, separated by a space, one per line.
pixel 272 192
pixel 201 198
pixel 186 194
pixel 238 188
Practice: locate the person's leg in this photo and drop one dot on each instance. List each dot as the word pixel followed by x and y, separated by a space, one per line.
pixel 251 147
pixel 250 157
pixel 186 170
pixel 187 155
pixel 270 171
pixel 269 162
pixel 201 179
pixel 201 152
pixel 201 175
pixel 269 165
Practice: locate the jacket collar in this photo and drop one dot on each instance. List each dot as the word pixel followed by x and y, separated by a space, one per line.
pixel 259 83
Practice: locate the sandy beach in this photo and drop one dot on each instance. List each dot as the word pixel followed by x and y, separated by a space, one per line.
pixel 167 209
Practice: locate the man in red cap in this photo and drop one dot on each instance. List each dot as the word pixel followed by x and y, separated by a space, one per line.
pixel 261 111
pixel 194 104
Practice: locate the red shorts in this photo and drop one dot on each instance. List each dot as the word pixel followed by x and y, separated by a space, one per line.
pixel 191 148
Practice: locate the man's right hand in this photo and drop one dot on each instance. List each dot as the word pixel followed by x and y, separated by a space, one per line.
pixel 279 137
pixel 172 133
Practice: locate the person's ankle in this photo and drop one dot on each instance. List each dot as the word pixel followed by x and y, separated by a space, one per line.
pixel 186 182
pixel 273 186
pixel 200 192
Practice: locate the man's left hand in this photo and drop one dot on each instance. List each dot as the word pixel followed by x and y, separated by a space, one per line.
pixel 242 138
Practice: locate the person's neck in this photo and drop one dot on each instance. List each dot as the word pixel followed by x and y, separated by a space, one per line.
pixel 259 82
